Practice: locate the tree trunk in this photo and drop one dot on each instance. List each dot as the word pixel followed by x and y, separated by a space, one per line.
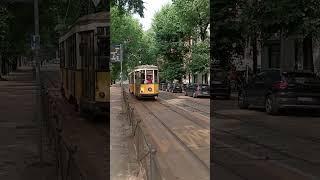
pixel 307 54
pixel 254 53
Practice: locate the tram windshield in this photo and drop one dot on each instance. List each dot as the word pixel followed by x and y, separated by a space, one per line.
pixel 148 76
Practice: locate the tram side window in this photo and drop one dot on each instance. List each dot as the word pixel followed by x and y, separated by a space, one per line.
pixel 142 77
pixel 61 54
pixel 155 76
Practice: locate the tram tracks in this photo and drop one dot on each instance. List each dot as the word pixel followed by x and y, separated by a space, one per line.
pixel 175 135
pixel 242 141
pixel 268 130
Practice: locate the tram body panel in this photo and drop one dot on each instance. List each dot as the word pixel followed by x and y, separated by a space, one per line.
pixel 78 86
pixel 149 89
pixel 102 87
pixel 84 63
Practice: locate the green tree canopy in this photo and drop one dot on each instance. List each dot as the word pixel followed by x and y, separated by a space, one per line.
pixel 199 58
pixel 127 31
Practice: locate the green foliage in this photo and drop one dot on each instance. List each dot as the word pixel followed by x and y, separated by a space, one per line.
pixel 226 31
pixel 127 31
pixel 131 6
pixel 194 15
pixel 172 70
pixel 170 36
pixel 200 58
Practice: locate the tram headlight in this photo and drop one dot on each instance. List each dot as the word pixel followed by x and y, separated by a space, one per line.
pixel 102 94
pixel 149 89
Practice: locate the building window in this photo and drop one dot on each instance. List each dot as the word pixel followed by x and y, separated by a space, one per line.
pixel 274 56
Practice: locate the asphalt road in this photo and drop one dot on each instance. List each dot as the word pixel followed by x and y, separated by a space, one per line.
pixel 251 144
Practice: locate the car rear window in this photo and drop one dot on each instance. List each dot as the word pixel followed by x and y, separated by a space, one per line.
pixel 302 78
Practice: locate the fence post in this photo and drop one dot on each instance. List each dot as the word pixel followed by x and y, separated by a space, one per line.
pixel 153 163
pixel 58 148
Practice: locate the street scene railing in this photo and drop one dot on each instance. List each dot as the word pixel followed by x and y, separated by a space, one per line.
pixel 145 151
pixel 66 165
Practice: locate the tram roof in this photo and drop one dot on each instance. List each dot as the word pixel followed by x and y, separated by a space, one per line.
pixel 151 67
pixel 88 22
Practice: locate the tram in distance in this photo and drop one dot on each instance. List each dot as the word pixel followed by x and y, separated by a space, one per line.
pixel 84 64
pixel 144 81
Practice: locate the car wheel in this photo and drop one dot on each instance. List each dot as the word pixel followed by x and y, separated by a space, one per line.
pixel 242 101
pixel 271 105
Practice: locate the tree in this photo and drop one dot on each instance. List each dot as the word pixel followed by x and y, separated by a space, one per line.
pixel 263 18
pixel 131 6
pixel 127 31
pixel 170 36
pixel 194 15
pixel 200 58
pixel 4 30
pixel 226 37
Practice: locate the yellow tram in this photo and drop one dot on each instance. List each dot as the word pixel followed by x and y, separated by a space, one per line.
pixel 144 81
pixel 84 64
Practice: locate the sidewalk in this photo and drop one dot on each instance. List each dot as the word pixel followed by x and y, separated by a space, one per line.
pixel 18 129
pixel 123 163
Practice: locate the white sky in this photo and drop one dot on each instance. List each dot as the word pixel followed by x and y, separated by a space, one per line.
pixel 151 7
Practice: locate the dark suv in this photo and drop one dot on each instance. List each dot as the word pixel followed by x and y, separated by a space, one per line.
pixel 275 90
pixel 220 84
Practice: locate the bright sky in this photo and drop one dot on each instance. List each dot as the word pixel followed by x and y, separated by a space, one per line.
pixel 151 7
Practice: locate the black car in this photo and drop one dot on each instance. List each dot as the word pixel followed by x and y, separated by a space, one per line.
pixel 184 86
pixel 197 90
pixel 275 90
pixel 176 88
pixel 220 84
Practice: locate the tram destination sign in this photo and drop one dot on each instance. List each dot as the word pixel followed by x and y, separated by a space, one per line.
pixel 115 54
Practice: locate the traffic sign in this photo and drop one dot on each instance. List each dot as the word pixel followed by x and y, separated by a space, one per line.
pixel 115 55
pixel 35 42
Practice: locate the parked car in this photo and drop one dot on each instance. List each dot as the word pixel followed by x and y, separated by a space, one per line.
pixel 197 90
pixel 275 90
pixel 184 86
pixel 169 87
pixel 176 88
pixel 220 84
pixel 163 86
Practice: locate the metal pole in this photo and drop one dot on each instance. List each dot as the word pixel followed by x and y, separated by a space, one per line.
pixel 38 80
pixel 121 59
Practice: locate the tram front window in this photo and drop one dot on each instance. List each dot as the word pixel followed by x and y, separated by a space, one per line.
pixel 149 77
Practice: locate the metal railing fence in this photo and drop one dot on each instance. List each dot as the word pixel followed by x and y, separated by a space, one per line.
pixel 66 166
pixel 145 151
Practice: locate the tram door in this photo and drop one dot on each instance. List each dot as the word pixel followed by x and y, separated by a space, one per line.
pixel 87 63
pixel 137 82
